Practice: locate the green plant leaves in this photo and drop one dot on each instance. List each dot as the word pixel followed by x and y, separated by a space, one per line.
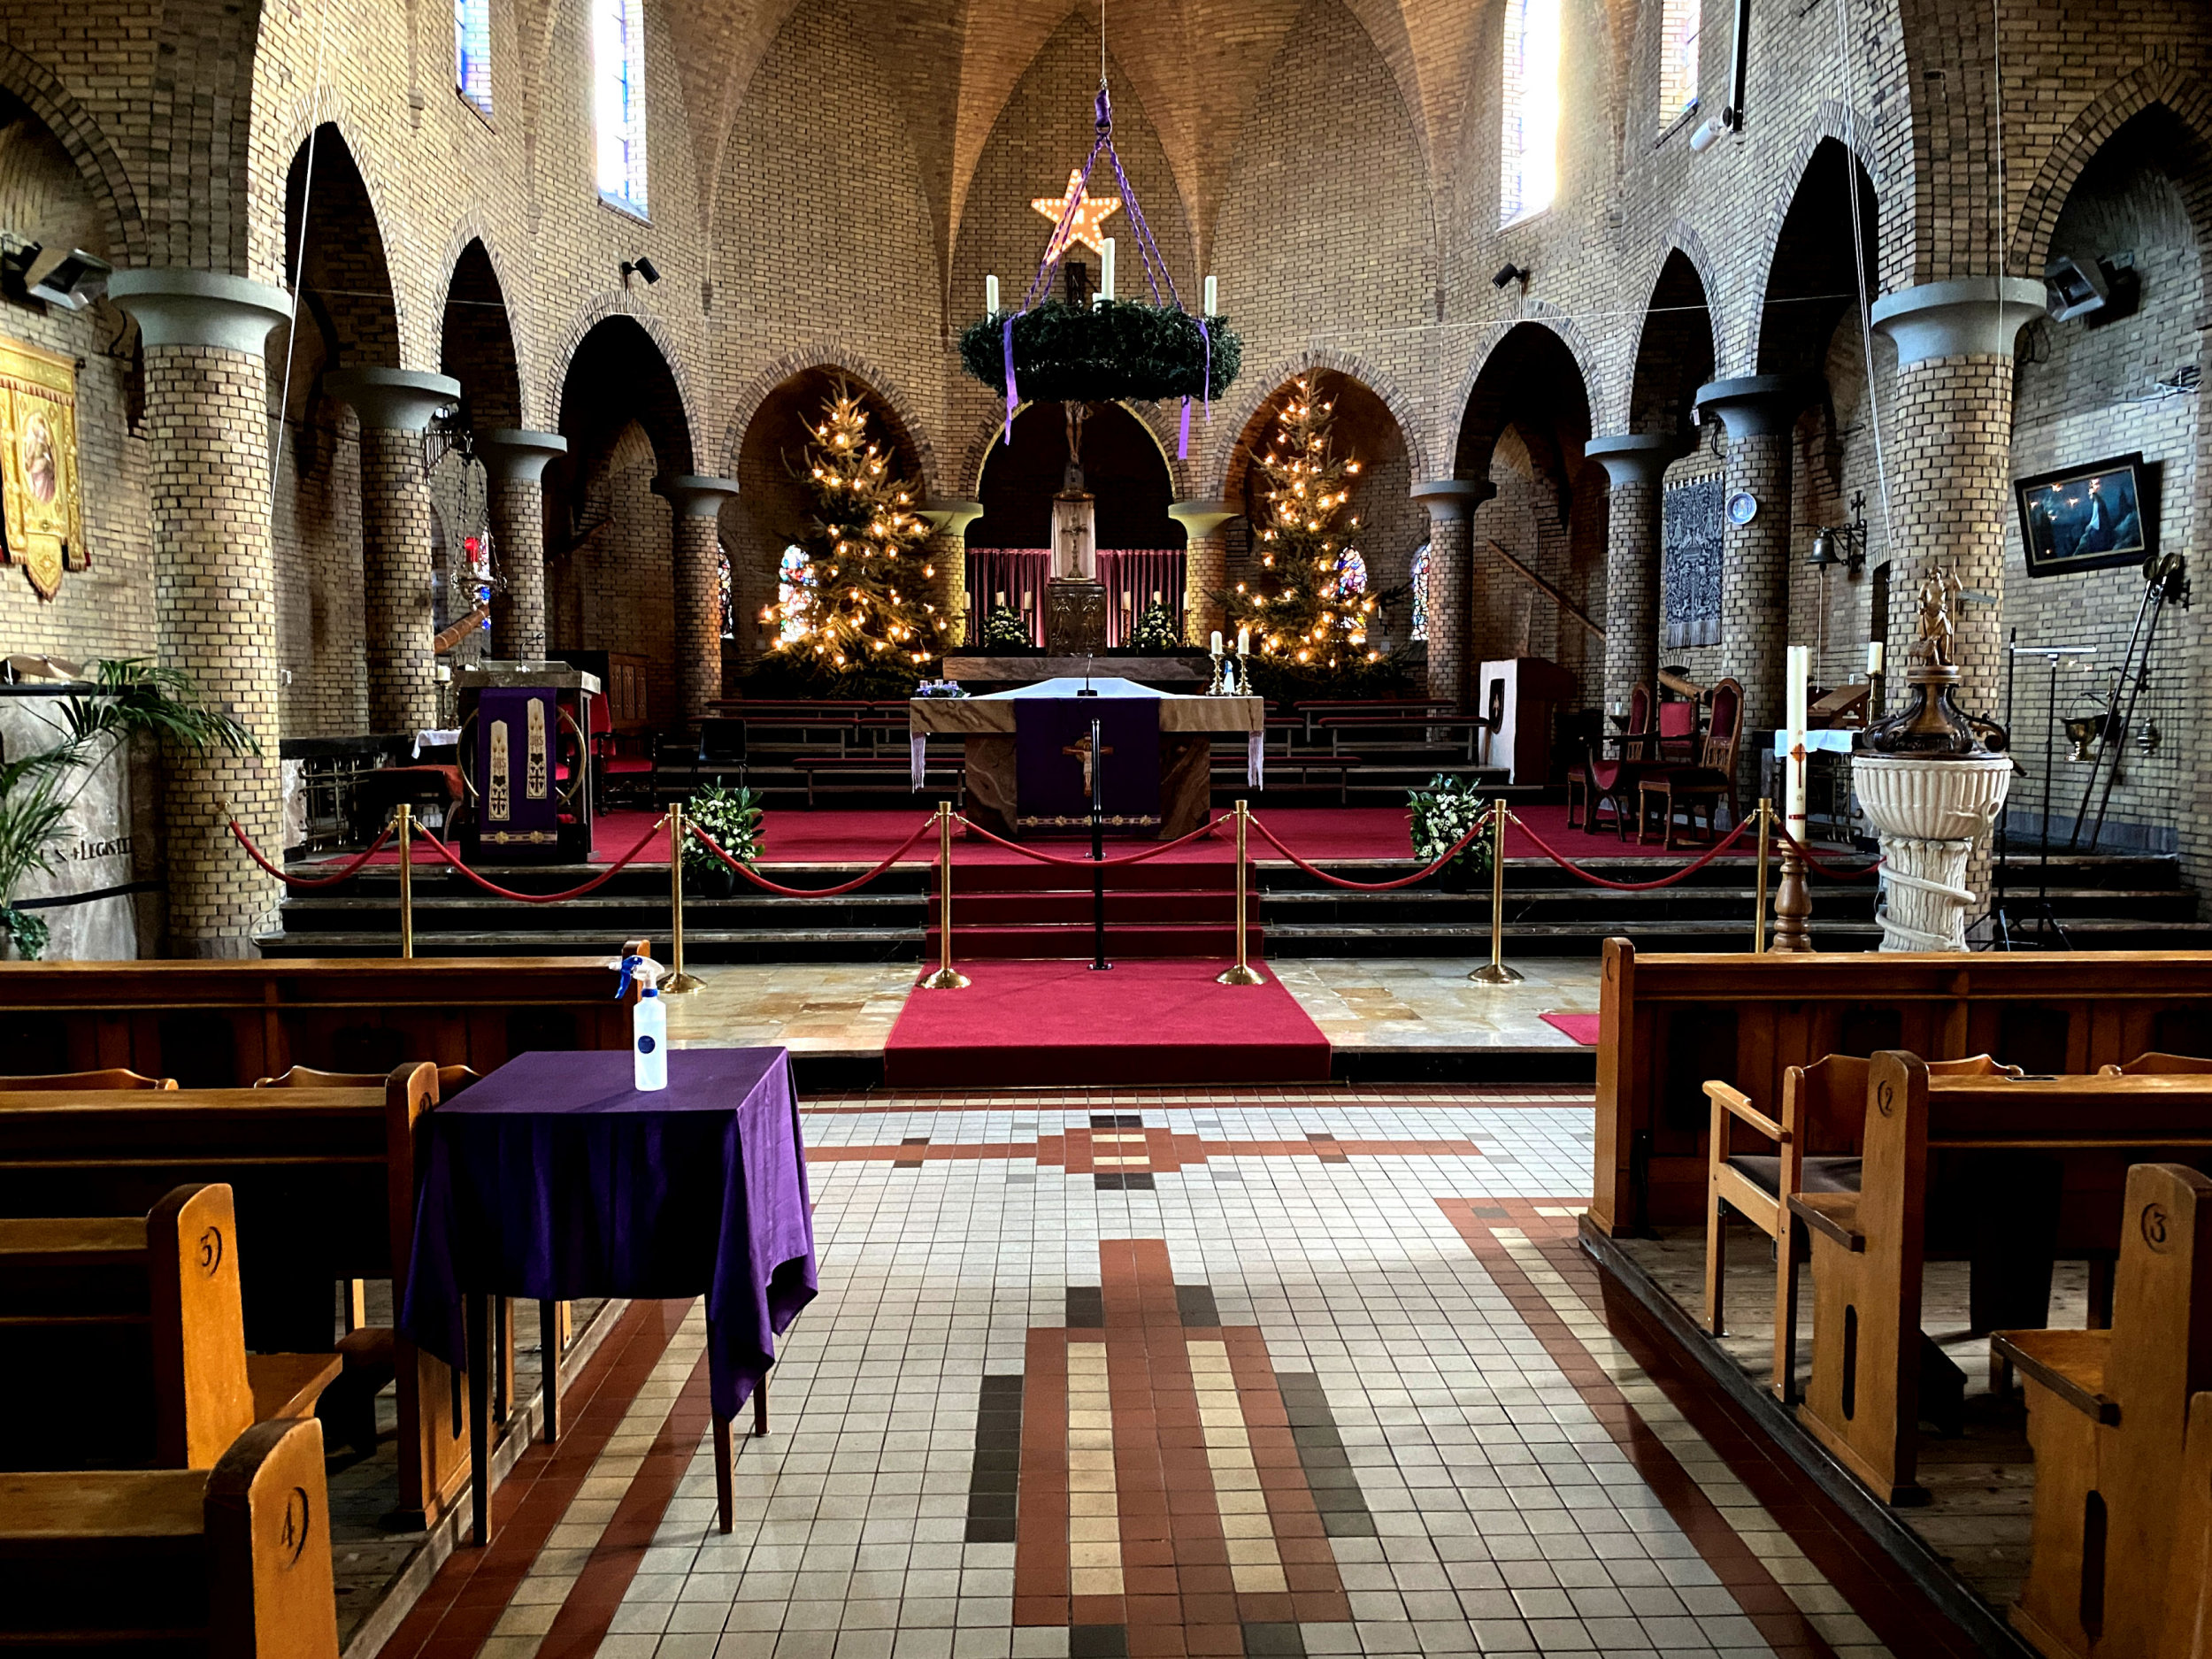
pixel 1121 349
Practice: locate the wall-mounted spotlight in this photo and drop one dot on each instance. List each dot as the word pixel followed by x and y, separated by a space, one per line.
pixel 1512 273
pixel 643 266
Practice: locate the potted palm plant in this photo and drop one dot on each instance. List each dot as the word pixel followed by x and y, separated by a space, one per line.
pixel 130 697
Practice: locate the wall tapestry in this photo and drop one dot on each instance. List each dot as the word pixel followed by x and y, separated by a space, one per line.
pixel 1689 541
pixel 41 526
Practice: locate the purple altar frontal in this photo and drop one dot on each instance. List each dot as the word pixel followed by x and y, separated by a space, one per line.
pixel 553 1180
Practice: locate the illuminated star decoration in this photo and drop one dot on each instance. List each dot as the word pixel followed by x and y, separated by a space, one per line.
pixel 1091 211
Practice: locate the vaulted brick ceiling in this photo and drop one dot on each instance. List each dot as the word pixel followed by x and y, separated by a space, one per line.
pixel 1197 65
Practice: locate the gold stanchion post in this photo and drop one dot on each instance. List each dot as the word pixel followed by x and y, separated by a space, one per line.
pixel 406 882
pixel 946 978
pixel 678 983
pixel 1243 973
pixel 1494 972
pixel 1759 907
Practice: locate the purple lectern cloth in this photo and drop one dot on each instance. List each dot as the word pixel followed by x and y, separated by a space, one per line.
pixel 553 1180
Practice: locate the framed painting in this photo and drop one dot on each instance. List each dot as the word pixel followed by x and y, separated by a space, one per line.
pixel 2088 518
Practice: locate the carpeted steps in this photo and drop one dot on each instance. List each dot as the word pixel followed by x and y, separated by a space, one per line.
pixel 1155 909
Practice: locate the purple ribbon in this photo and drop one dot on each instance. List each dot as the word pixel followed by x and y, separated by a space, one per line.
pixel 1182 443
pixel 1006 340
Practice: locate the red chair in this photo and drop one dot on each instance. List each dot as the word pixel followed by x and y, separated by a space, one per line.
pixel 1597 781
pixel 1690 789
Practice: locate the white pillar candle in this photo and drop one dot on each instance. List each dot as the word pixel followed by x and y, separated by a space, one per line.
pixel 1799 671
pixel 1106 270
pixel 1216 644
pixel 1244 641
pixel 1874 656
pixel 990 294
pixel 1000 597
pixel 1213 297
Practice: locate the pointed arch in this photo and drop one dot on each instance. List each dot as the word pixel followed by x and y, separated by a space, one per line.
pixel 87 146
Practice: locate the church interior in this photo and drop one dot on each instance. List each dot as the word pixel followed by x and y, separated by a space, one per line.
pixel 1142 829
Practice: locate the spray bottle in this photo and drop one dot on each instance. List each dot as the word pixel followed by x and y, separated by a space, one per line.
pixel 648 1024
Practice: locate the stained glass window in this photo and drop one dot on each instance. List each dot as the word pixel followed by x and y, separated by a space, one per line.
pixel 729 593
pixel 1420 585
pixel 1351 572
pixel 473 51
pixel 1680 22
pixel 1530 138
pixel 618 49
pixel 794 583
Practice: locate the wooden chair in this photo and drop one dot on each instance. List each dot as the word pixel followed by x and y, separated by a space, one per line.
pixel 2108 1418
pixel 1688 789
pixel 113 1076
pixel 229 1562
pixel 1599 780
pixel 2156 1065
pixel 1817 1151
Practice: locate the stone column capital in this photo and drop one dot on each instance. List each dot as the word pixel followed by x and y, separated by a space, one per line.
pixel 1635 457
pixel 694 495
pixel 1451 500
pixel 394 399
pixel 952 517
pixel 1202 516
pixel 515 456
pixel 175 306
pixel 1974 317
pixel 1757 405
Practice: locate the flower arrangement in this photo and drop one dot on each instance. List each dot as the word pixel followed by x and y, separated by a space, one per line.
pixel 1155 630
pixel 733 817
pixel 1442 815
pixel 1004 630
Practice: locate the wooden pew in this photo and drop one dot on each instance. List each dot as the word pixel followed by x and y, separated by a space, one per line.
pixel 1867 1247
pixel 2108 1419
pixel 232 1562
pixel 124 1340
pixel 114 1077
pixel 2188 1634
pixel 1669 1022
pixel 221 1024
pixel 325 1187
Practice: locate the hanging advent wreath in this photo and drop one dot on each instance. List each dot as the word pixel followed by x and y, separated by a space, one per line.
pixel 1096 351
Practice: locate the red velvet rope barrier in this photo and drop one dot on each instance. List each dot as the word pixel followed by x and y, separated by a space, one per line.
pixel 1089 864
pixel 1834 872
pixel 596 882
pixel 352 869
pixel 1572 868
pixel 1445 858
pixel 757 880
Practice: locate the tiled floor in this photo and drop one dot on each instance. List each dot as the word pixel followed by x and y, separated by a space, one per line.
pixel 1224 1372
pixel 1416 1002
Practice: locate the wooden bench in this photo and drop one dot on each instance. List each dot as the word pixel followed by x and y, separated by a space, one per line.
pixel 2108 1419
pixel 1669 1022
pixel 221 1025
pixel 232 1562
pixel 884 773
pixel 124 1341
pixel 324 1182
pixel 1863 1401
pixel 1370 725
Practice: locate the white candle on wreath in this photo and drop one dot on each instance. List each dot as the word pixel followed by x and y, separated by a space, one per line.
pixel 990 296
pixel 1105 270
pixel 1213 297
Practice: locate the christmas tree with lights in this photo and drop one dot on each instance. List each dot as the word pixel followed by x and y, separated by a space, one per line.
pixel 866 606
pixel 1299 611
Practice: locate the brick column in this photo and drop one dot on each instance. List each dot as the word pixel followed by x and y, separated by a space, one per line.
pixel 207 416
pixel 948 557
pixel 1205 567
pixel 1635 463
pixel 1451 503
pixel 399 625
pixel 1950 462
pixel 1759 412
pixel 698 585
pixel 515 463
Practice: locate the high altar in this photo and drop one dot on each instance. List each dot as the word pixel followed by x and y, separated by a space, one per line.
pixel 1029 754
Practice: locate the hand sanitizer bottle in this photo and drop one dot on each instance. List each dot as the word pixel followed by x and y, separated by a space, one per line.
pixel 649 1027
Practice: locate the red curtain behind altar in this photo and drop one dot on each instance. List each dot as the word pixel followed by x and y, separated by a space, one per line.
pixel 1128 574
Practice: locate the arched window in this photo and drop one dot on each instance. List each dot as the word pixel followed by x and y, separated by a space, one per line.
pixel 1351 572
pixel 795 588
pixel 473 52
pixel 1681 21
pixel 729 590
pixel 617 55
pixel 1530 139
pixel 1420 585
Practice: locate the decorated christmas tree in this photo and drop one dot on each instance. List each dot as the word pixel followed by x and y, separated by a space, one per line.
pixel 866 604
pixel 1299 610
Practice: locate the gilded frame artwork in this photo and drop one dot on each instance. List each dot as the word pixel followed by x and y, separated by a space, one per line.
pixel 42 507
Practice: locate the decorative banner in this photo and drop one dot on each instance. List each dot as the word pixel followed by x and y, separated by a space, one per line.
pixel 516 765
pixel 41 514
pixel 1690 559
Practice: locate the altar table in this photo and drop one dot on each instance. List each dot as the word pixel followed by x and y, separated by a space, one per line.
pixel 553 1180
pixel 993 727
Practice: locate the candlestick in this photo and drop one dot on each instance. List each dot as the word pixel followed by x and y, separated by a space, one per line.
pixel 1213 297
pixel 1106 271
pixel 990 294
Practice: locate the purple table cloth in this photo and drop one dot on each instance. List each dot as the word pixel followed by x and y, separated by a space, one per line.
pixel 553 1180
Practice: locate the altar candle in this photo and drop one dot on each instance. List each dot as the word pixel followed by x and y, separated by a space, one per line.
pixel 990 294
pixel 1000 598
pixel 1025 599
pixel 1244 641
pixel 1874 656
pixel 1213 297
pixel 1799 669
pixel 1216 644
pixel 1155 595
pixel 1106 270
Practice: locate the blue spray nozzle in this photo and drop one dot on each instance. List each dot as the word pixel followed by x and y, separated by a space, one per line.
pixel 639 968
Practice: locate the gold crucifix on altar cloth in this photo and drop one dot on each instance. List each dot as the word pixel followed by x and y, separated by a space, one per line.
pixel 1081 750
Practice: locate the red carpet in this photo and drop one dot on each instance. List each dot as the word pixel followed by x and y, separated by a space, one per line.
pixel 1059 1024
pixel 1582 1027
